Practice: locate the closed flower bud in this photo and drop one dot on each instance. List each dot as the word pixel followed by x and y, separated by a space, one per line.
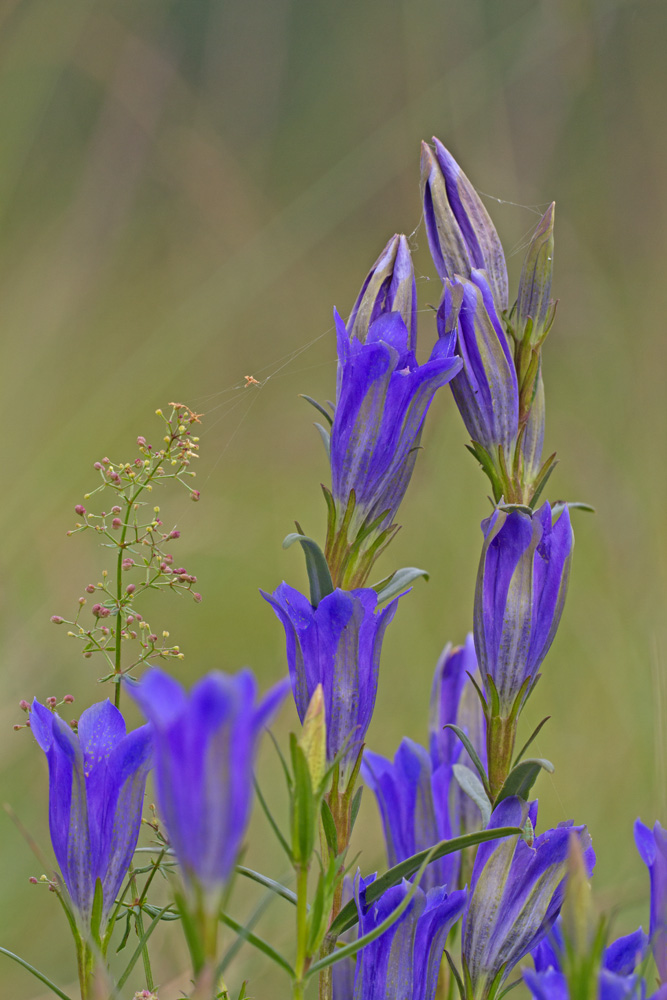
pixel 521 588
pixel 389 287
pixel 534 308
pixel 314 737
pixel 460 232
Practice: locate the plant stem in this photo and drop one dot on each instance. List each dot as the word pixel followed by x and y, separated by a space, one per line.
pixel 140 929
pixel 500 736
pixel 86 966
pixel 301 963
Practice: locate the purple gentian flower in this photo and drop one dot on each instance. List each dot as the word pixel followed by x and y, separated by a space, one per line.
pixel 652 846
pixel 337 644
pixel 616 978
pixel 96 792
pixel 486 389
pixel 405 960
pixel 205 746
pixel 382 398
pixel 521 587
pixel 413 800
pixel 454 700
pixel 460 233
pixel 517 891
pixel 389 287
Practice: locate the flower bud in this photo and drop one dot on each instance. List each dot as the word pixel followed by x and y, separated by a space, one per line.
pixel 389 287
pixel 460 232
pixel 80 509
pixel 534 305
pixel 57 620
pixel 313 740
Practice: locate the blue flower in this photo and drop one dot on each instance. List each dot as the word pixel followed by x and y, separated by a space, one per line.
pixel 96 791
pixel 454 700
pixel 486 389
pixel 461 235
pixel 616 977
pixel 205 748
pixel 516 893
pixel 337 644
pixel 382 393
pixel 413 800
pixel 652 847
pixel 404 962
pixel 521 587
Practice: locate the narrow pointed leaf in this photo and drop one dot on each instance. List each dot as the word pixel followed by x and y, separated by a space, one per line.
pixel 140 947
pixel 318 406
pixel 405 869
pixel 356 803
pixel 397 582
pixel 329 828
pixel 319 576
pixel 326 437
pixel 522 777
pixel 258 943
pixel 472 753
pixel 474 789
pixel 36 973
pixel 268 883
pixel 530 739
pixel 274 826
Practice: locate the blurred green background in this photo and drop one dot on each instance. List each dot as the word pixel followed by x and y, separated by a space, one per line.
pixel 186 190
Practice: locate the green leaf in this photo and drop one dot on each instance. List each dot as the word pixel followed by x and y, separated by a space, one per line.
pixel 354 809
pixel 96 913
pixel 258 943
pixel 318 918
pixel 326 438
pixel 268 883
pixel 304 806
pixel 274 826
pixel 560 505
pixel 522 777
pixel 474 789
pixel 319 576
pixel 511 508
pixel 329 827
pixel 318 406
pixel 543 478
pixel 36 973
pixel 140 947
pixel 455 973
pixel 472 753
pixel 397 582
pixel 530 739
pixel 405 869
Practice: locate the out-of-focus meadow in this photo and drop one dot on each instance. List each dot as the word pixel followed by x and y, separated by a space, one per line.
pixel 186 190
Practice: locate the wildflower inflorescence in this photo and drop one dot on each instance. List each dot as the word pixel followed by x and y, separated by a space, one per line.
pixel 458 816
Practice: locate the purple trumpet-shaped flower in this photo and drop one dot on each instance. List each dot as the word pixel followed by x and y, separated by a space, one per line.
pixel 383 395
pixel 460 233
pixel 521 587
pixel 413 800
pixel 652 847
pixel 616 977
pixel 486 389
pixel 405 960
pixel 205 746
pixel 454 700
pixel 337 644
pixel 517 890
pixel 389 288
pixel 96 792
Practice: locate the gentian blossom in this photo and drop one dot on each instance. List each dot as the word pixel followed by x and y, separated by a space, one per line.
pixel 337 644
pixel 382 398
pixel 461 235
pixel 652 847
pixel 454 700
pixel 96 792
pixel 405 960
pixel 413 800
pixel 486 389
pixel 521 587
pixel 616 977
pixel 516 893
pixel 205 746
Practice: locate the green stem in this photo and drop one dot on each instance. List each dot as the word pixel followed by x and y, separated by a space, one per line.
pixel 86 967
pixel 301 963
pixel 500 737
pixel 140 928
